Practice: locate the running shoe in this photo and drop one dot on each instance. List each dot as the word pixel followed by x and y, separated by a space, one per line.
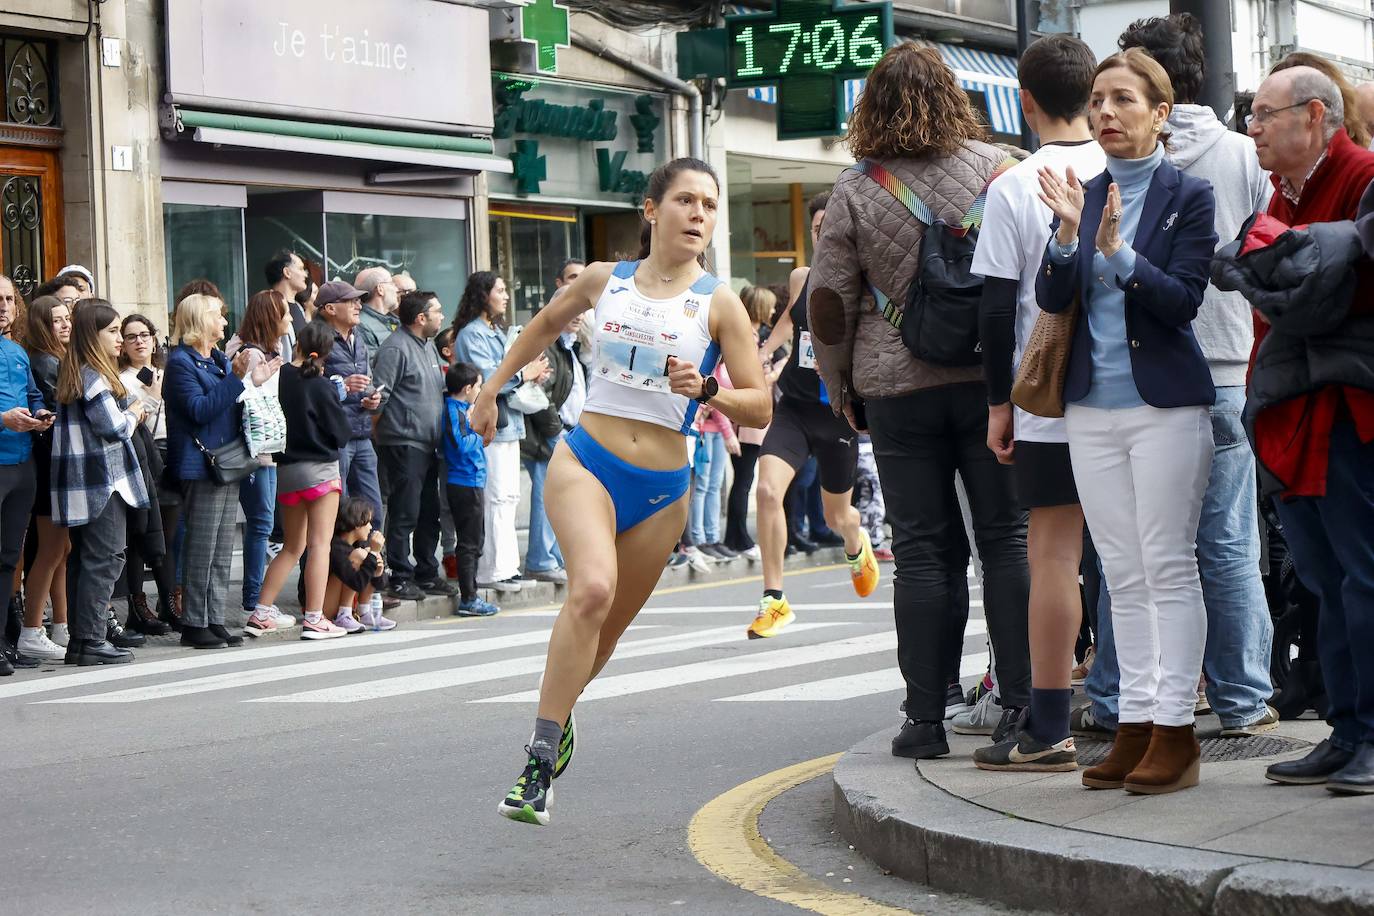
pixel 954 700
pixel 884 555
pixel 531 797
pixel 981 718
pixel 774 614
pixel 754 554
pixel 567 746
pixel 978 691
pixel 1022 752
pixel 323 628
pixel 373 618
pixel 698 560
pixel 476 607
pixel 863 569
pixel 348 623
pixel 1084 724
pixel 1081 671
pixel 260 622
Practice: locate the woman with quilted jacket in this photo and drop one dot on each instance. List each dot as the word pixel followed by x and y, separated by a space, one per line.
pixel 927 421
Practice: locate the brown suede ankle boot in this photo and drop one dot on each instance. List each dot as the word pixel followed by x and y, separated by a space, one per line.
pixel 1170 764
pixel 1132 740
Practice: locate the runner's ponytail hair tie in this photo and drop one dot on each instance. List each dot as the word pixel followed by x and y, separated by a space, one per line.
pixel 314 355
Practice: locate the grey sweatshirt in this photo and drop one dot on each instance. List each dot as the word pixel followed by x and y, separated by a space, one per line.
pixel 413 399
pixel 1202 146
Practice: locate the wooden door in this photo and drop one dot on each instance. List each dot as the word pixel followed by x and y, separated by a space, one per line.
pixel 31 236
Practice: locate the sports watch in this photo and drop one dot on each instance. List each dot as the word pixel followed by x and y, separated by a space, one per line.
pixel 710 387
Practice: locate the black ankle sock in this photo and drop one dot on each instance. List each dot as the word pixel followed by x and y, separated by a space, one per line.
pixel 547 736
pixel 1049 715
pixel 774 593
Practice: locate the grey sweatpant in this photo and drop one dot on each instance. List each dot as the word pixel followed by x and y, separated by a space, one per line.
pixel 94 566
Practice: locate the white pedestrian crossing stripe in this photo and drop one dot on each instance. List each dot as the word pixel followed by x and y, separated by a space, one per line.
pixel 750 663
pixel 87 677
pixel 512 667
pixel 740 609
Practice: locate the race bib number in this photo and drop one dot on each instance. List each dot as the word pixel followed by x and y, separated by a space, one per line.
pixel 634 357
pixel 806 353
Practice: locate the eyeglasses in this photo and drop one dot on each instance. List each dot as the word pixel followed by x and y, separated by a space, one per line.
pixel 1265 115
pixel 69 301
pixel 138 338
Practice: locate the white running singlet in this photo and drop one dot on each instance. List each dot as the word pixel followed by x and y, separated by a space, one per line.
pixel 634 338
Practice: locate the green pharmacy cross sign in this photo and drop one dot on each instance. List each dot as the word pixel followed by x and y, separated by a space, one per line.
pixel 545 23
pixel 808 48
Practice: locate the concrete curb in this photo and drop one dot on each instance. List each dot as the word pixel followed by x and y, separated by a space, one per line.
pixel 924 834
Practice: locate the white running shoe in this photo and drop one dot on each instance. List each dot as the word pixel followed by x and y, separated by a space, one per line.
pixel 697 560
pixel 34 643
pixel 982 719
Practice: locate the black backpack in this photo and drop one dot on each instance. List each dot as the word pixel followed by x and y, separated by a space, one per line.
pixel 939 321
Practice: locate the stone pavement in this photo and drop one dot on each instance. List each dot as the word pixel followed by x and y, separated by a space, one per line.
pixel 1236 844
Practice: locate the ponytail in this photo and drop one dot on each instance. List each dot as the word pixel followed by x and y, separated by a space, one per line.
pixel 314 344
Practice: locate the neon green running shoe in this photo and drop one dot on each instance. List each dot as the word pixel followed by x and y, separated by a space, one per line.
pixel 567 746
pixel 529 800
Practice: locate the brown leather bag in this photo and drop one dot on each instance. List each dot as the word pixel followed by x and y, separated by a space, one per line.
pixel 1039 385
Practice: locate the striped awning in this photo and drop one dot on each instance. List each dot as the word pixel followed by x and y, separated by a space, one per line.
pixel 987 72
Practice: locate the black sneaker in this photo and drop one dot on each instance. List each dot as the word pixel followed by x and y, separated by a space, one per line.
pixel 406 591
pixel 954 700
pixel 920 740
pixel 566 746
pixel 1023 752
pixel 13 659
pixel 1012 716
pixel 530 798
pixel 437 587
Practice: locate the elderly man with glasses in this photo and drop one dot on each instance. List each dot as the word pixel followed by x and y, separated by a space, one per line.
pixel 1311 409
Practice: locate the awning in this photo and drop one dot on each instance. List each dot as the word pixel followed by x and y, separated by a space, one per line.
pixel 987 72
pixel 472 154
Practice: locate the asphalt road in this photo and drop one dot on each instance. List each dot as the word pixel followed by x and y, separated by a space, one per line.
pixel 362 775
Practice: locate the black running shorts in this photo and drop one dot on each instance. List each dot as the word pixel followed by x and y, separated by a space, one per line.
pixel 801 429
pixel 1044 475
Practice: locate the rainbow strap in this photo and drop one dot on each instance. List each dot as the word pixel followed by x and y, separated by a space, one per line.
pixel 899 189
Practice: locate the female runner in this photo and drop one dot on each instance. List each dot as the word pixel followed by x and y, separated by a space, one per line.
pixel 662 322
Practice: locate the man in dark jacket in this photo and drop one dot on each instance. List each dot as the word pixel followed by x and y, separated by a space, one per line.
pixel 1311 415
pixel 340 305
pixel 410 382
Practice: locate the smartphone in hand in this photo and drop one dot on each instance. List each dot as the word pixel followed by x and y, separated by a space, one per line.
pixel 146 375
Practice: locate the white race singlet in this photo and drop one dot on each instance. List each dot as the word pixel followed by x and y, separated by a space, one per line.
pixel 634 338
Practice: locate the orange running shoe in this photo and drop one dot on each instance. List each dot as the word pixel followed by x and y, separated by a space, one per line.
pixel 863 569
pixel 774 614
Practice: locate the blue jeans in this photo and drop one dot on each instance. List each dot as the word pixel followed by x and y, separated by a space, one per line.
pixel 1330 540
pixel 358 471
pixel 542 554
pixel 258 499
pixel 1240 632
pixel 708 475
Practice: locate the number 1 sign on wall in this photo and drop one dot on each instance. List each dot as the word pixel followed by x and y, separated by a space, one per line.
pixel 808 48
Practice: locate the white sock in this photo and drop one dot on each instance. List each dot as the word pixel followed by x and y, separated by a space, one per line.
pixel 262 611
pixel 314 616
pixel 345 610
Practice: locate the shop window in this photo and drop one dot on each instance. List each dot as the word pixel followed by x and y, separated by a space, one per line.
pixel 206 241
pixel 528 248
pixel 433 251
pixel 272 224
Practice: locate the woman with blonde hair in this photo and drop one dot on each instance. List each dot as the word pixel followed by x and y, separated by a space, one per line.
pixel 759 302
pixel 96 477
pixel 200 390
pixel 928 420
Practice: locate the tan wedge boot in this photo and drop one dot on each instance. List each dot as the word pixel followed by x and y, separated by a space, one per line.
pixel 1132 741
pixel 1170 764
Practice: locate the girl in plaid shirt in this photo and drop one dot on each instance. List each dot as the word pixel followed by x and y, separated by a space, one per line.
pixel 96 478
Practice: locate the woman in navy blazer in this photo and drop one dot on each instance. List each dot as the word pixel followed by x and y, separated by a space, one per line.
pixel 1133 247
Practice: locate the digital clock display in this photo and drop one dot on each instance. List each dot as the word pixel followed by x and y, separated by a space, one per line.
pixel 807 39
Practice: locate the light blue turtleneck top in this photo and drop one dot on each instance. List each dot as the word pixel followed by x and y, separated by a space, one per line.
pixel 1113 385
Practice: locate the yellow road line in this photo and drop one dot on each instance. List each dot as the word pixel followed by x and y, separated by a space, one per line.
pixel 724 836
pixel 695 586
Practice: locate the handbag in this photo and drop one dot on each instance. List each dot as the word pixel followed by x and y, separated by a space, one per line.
pixel 1039 385
pixel 528 398
pixel 230 462
pixel 264 422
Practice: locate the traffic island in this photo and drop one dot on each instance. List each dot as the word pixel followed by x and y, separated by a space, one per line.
pixel 1236 844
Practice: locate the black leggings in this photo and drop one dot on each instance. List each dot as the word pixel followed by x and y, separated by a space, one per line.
pixel 737 508
pixel 920 441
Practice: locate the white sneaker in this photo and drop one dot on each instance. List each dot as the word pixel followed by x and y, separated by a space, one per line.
pixel 283 621
pixel 34 643
pixel 274 548
pixel 59 634
pixel 753 554
pixel 697 560
pixel 982 719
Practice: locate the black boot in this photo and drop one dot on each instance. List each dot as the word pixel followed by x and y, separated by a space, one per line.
pixel 200 638
pixel 169 609
pixel 1319 764
pixel 1357 776
pixel 920 740
pixel 14 618
pixel 230 639
pixel 100 652
pixel 73 656
pixel 120 637
pixel 142 619
pixel 6 669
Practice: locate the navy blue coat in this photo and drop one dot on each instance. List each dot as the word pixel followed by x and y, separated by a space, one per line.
pixel 201 398
pixel 1174 245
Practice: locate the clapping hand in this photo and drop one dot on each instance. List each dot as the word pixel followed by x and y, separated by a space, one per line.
pixel 265 370
pixel 1064 197
pixel 1109 230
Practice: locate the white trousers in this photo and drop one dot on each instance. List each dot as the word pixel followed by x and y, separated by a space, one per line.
pixel 500 504
pixel 1141 474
